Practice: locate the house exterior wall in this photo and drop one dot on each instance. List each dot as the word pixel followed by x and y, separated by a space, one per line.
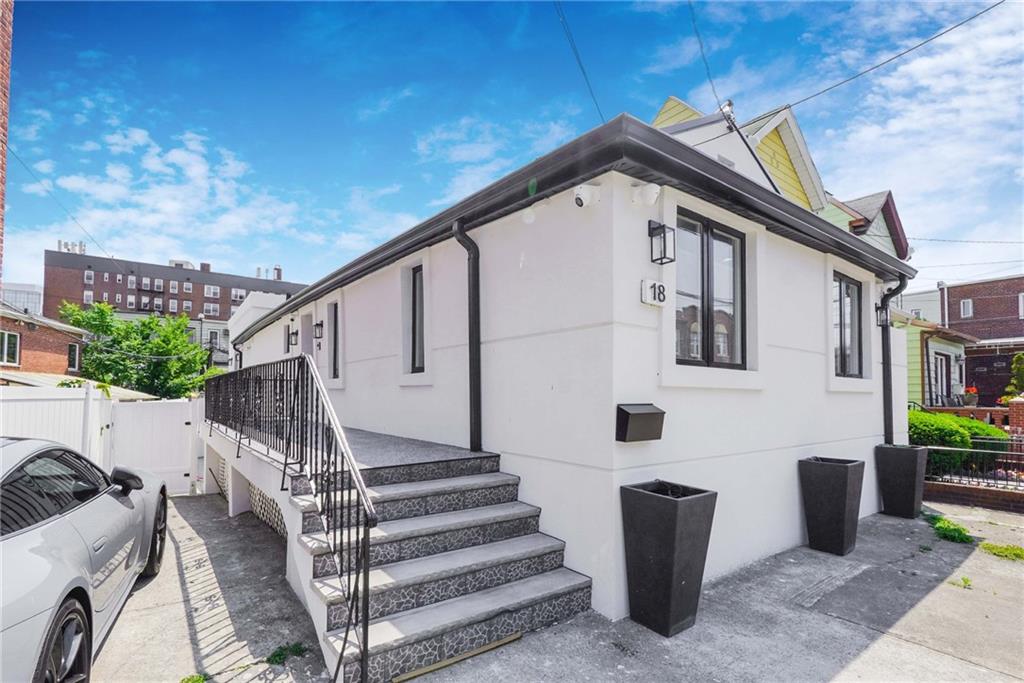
pixel 565 338
pixel 926 301
pixel 997 309
pixel 43 349
pixel 775 156
pixel 988 368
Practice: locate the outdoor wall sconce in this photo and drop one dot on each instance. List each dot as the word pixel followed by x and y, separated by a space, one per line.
pixel 293 338
pixel 663 242
pixel 882 315
pixel 638 422
pixel 318 330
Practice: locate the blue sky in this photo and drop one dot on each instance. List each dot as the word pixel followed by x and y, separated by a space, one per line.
pixel 303 134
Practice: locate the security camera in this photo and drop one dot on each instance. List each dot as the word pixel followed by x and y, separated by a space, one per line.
pixel 647 194
pixel 586 195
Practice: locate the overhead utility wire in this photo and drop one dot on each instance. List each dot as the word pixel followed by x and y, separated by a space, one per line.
pixel 938 239
pixel 579 59
pixel 978 263
pixel 703 56
pixel 51 195
pixel 879 65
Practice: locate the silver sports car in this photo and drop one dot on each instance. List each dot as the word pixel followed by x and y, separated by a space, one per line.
pixel 72 542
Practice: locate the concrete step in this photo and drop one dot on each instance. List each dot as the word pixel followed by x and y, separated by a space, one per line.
pixel 409 640
pixel 435 578
pixel 425 471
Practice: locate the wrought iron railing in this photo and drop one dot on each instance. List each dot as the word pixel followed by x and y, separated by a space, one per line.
pixel 283 406
pixel 990 462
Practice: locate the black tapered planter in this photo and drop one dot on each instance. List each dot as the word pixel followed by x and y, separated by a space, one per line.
pixel 667 528
pixel 831 491
pixel 900 471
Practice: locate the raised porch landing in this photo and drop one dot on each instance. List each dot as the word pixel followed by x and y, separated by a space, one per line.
pixel 373 449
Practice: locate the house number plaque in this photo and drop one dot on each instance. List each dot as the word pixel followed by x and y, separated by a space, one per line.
pixel 653 292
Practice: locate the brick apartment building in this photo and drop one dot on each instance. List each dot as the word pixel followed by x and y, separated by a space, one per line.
pixel 32 343
pixel 993 311
pixel 208 298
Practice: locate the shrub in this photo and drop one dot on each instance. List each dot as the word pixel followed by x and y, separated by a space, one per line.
pixel 931 429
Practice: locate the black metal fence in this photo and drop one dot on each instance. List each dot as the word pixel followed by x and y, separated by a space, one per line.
pixel 990 462
pixel 284 406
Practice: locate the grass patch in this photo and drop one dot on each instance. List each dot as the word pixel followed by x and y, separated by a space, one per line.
pixel 196 678
pixel 949 530
pixel 281 654
pixel 1009 552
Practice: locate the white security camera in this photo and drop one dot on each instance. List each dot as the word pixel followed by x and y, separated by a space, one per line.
pixel 647 194
pixel 586 195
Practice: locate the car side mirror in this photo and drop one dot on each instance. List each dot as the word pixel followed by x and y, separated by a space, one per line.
pixel 126 479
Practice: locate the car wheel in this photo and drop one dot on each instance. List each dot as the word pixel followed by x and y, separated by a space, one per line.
pixel 67 648
pixel 156 546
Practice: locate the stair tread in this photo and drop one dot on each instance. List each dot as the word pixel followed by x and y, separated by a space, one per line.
pixel 398 529
pixel 418 624
pixel 417 489
pixel 441 565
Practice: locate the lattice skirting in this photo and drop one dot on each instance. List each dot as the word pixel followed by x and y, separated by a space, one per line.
pixel 220 475
pixel 267 510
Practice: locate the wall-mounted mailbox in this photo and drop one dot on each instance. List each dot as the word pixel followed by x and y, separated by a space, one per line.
pixel 638 422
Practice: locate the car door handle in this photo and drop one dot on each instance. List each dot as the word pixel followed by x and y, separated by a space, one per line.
pixel 98 545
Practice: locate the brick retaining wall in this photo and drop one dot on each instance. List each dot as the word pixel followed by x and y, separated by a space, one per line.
pixel 1009 500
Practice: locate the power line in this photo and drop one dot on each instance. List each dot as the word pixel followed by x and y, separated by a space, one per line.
pixel 579 59
pixel 938 239
pixel 879 65
pixel 51 195
pixel 703 56
pixel 898 54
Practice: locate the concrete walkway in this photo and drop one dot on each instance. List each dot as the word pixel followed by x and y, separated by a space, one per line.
pixel 219 606
pixel 887 612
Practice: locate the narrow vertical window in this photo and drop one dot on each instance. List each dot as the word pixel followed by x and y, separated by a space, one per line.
pixel 287 339
pixel 72 356
pixel 967 308
pixel 332 340
pixel 417 345
pixel 846 326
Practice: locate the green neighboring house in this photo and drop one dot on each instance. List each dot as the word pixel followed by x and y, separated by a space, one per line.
pixel 939 380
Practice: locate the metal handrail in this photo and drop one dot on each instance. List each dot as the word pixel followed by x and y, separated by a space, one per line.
pixel 284 406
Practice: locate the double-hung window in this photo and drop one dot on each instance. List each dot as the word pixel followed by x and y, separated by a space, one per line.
pixel 10 348
pixel 89 277
pixel 131 282
pixel 131 301
pixel 417 341
pixel 211 291
pixel 87 296
pixel 187 287
pixel 710 310
pixel 158 284
pixel 186 305
pixel 846 326
pixel 967 308
pixel 145 283
pixel 174 286
pixel 173 305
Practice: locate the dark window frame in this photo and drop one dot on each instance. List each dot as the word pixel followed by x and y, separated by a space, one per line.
pixel 841 370
pixel 77 355
pixel 707 314
pixel 416 339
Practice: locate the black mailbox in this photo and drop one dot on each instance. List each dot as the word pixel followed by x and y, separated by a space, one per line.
pixel 638 422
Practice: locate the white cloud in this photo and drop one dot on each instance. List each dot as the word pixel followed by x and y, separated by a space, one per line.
pixel 45 166
pixel 384 104
pixel 87 146
pixel 468 140
pixel 40 189
pixel 125 141
pixel 683 52
pixel 37 120
pixel 367 223
pixel 469 179
pixel 548 135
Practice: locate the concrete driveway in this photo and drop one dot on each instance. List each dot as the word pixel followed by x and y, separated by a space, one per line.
pixel 219 606
pixel 887 612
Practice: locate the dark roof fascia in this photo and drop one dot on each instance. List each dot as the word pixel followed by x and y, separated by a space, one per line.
pixel 636 149
pixel 895 225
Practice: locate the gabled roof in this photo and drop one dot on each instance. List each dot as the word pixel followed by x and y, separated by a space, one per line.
pixel 15 313
pixel 674 110
pixel 870 206
pixel 784 122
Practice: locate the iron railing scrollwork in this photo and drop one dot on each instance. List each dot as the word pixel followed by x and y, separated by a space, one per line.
pixel 284 406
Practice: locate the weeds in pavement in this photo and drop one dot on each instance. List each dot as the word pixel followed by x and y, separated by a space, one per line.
pixel 949 530
pixel 282 653
pixel 1009 552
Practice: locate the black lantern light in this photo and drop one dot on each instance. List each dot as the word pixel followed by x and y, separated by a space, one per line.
pixel 318 330
pixel 663 242
pixel 293 338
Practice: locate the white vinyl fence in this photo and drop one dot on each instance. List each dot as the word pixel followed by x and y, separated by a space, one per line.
pixel 158 436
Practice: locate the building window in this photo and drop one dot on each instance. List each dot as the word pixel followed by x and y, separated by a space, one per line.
pixel 106 296
pixel 237 294
pixel 144 303
pixel 211 291
pixel 117 298
pixel 709 293
pixel 187 287
pixel 131 301
pixel 213 338
pixel 120 278
pixel 131 282
pixel 333 339
pixel 174 286
pixel 916 312
pixel 417 341
pixel 172 305
pixel 234 309
pixel 966 308
pixel 846 325
pixel 88 277
pixel 106 277
pixel 158 284
pixel 1020 305
pixel 10 348
pixel 287 338
pixel 87 296
pixel 158 303
pixel 72 356
pixel 145 283
pixel 211 309
pixel 186 305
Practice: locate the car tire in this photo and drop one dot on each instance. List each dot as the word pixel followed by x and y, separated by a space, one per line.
pixel 159 540
pixel 67 647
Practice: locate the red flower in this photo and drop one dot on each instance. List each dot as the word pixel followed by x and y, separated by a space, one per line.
pixel 971 390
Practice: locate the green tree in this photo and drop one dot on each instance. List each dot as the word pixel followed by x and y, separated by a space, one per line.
pixel 1016 386
pixel 151 354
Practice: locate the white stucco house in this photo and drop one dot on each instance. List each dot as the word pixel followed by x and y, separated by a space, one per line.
pixel 755 332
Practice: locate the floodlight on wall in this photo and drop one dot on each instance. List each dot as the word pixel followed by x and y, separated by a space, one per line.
pixel 663 242
pixel 318 330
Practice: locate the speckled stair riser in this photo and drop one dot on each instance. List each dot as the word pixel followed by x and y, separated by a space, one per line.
pixel 401 598
pixel 432 544
pixel 427 471
pixel 386 665
pixel 405 508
